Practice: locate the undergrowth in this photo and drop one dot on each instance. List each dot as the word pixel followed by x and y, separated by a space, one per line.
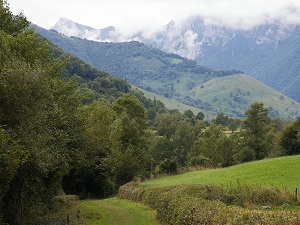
pixel 64 210
pixel 208 204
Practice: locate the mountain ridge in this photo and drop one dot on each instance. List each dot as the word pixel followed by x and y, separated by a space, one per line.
pixel 267 52
pixel 173 76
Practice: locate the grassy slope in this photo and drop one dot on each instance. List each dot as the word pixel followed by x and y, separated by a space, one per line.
pixel 115 211
pixel 173 104
pixel 245 89
pixel 282 173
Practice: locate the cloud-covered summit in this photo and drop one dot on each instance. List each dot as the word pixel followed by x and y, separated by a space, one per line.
pixel 131 16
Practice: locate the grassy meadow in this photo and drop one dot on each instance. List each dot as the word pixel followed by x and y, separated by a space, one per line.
pixel 282 173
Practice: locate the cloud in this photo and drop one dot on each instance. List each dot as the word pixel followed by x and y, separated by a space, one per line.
pixel 132 15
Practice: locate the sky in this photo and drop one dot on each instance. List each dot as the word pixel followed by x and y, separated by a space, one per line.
pixel 133 15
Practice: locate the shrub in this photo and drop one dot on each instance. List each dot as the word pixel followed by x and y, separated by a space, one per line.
pixel 204 204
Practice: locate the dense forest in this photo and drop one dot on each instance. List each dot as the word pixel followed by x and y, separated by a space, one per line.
pixel 66 128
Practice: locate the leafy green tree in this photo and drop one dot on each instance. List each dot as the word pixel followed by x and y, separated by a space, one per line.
pixel 190 115
pixel 257 133
pixel 221 119
pixel 11 24
pixel 200 116
pixel 12 156
pixel 183 140
pixel 212 148
pixel 166 123
pixel 233 124
pixel 290 140
pixel 41 111
pixel 129 150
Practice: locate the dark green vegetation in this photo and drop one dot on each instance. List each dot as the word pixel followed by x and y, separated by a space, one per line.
pixel 66 128
pixel 175 77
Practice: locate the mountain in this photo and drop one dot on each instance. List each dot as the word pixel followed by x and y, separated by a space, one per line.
pixel 269 53
pixel 70 28
pixel 176 77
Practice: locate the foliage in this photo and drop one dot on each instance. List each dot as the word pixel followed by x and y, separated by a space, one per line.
pixel 39 111
pixel 290 140
pixel 203 204
pixel 213 148
pixel 257 136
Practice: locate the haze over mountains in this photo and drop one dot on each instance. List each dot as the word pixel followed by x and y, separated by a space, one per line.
pixel 269 52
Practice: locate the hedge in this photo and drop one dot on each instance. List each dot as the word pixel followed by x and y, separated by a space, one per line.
pixel 202 204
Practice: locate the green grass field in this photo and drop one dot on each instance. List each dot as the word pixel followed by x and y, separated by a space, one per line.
pixel 114 211
pixel 283 173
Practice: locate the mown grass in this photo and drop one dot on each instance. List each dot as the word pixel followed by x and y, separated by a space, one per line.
pixel 114 211
pixel 282 173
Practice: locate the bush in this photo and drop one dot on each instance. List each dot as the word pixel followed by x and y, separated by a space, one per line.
pixel 203 204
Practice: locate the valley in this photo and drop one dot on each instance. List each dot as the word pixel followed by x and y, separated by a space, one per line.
pixel 178 78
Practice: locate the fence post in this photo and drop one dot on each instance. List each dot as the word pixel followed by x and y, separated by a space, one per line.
pixel 68 219
pixel 296 194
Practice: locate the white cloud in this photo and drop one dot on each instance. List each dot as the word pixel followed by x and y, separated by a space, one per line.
pixel 132 15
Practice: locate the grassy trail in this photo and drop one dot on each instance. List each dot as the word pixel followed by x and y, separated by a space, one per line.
pixel 114 211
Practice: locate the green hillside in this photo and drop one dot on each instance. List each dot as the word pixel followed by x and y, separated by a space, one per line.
pixel 232 94
pixel 175 77
pixel 282 173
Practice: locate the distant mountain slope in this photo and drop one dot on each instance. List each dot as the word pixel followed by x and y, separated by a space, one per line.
pixel 176 77
pixel 269 53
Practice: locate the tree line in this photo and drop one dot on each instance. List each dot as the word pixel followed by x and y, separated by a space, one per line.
pixel 63 130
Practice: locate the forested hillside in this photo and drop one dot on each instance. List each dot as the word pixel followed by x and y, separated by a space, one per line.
pixel 177 78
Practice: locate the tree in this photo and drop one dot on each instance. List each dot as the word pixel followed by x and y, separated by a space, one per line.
pixel 183 140
pixel 190 115
pixel 200 116
pixel 166 123
pixel 39 112
pixel 257 133
pixel 290 140
pixel 129 150
pixel 212 148
pixel 12 156
pixel 221 119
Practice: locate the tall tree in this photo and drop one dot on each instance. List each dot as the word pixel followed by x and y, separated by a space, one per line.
pixel 257 133
pixel 128 144
pixel 41 111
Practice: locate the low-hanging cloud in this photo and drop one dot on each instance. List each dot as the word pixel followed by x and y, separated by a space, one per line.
pixel 136 15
